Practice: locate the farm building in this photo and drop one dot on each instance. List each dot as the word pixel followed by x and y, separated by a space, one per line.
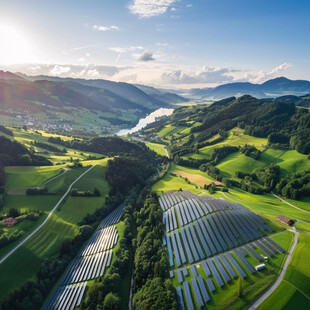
pixel 285 220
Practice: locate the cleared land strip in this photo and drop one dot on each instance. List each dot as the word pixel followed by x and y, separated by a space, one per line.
pixel 290 204
pixel 280 278
pixel 55 177
pixel 49 215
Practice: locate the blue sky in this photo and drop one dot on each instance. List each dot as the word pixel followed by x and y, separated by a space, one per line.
pixel 168 43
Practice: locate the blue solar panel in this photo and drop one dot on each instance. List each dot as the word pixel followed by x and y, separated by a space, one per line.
pixel 197 293
pixel 230 270
pixel 197 244
pixel 211 234
pixel 210 285
pixel 194 271
pixel 180 298
pixel 221 269
pixel 215 272
pixel 187 249
pixel 207 237
pixel 275 245
pixel 251 251
pixel 202 239
pixel 188 296
pixel 206 268
pixel 236 265
pixel 180 277
pixel 216 231
pixel 203 289
pixel 191 242
pixel 247 265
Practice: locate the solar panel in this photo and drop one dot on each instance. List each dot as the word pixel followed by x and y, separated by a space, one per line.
pixel 210 285
pixel 180 277
pixel 247 265
pixel 188 296
pixel 275 245
pixel 215 272
pixel 236 265
pixel 194 271
pixel 187 249
pixel 230 270
pixel 203 289
pixel 206 268
pixel 197 293
pixel 253 253
pixel 221 269
pixel 180 298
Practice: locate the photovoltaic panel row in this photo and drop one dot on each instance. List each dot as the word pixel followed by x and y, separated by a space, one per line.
pixel 180 298
pixel 102 240
pixel 215 272
pixel 66 297
pixel 221 269
pixel 268 246
pixel 113 217
pixel 263 248
pixel 247 265
pixel 188 296
pixel 236 265
pixel 230 270
pixel 87 267
pixel 197 293
pixel 203 289
pixel 253 253
pixel 279 248
pixel 210 284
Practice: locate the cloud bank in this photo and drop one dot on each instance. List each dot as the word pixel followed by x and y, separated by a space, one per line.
pixel 150 8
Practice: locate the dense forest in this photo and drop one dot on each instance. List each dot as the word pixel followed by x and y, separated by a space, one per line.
pixel 13 153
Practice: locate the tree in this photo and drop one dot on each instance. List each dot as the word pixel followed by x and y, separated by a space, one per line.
pixel 111 302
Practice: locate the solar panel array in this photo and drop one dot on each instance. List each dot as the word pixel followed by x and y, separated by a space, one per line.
pixel 219 235
pixel 90 263
pixel 200 227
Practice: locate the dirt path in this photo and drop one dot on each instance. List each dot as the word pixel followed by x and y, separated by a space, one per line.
pixel 49 215
pixel 290 204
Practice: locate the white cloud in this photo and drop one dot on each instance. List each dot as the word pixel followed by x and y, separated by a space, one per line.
pixel 59 70
pixel 126 49
pixel 149 8
pixel 262 76
pixel 105 28
pixel 189 5
pixel 205 75
pixel 146 56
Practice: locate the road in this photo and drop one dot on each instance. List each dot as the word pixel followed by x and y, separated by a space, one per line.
pixel 280 278
pixel 290 204
pixel 49 215
pixel 55 177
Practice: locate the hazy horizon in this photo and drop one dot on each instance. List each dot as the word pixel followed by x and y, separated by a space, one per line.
pixel 166 43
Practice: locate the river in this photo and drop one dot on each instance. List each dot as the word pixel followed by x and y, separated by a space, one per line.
pixel 145 121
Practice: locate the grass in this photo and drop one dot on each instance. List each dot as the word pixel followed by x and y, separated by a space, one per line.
pixel 29 176
pixel 62 224
pixel 285 297
pixel 298 272
pixel 156 147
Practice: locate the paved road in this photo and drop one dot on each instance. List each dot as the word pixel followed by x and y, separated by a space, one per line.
pixel 49 215
pixel 290 204
pixel 280 278
pixel 55 177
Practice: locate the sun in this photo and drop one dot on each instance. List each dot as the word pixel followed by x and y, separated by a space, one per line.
pixel 15 46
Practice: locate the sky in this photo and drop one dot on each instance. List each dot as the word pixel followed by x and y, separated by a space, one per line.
pixel 164 43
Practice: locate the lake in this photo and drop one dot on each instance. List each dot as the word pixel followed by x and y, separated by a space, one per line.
pixel 147 120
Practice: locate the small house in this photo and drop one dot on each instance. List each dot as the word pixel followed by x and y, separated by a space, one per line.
pixel 285 220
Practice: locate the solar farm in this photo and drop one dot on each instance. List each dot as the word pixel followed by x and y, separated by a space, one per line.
pixel 90 263
pixel 212 243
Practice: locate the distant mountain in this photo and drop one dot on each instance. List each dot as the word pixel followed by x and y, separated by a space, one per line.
pixel 128 92
pixel 6 75
pixel 270 89
pixel 162 95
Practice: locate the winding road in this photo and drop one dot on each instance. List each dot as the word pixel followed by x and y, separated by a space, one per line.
pixel 49 215
pixel 281 276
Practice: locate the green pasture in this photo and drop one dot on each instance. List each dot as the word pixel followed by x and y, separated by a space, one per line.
pixel 156 147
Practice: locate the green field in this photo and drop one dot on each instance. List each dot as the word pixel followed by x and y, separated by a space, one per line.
pixel 17 177
pixel 62 224
pixel 156 147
